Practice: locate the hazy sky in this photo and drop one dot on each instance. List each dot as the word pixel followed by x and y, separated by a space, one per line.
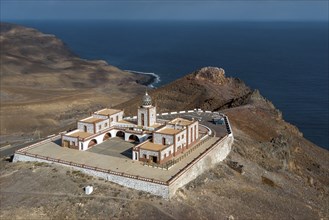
pixel 175 10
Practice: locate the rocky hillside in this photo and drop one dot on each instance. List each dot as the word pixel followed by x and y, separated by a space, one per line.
pixel 31 58
pixel 284 175
pixel 43 84
pixel 207 88
pixel 272 151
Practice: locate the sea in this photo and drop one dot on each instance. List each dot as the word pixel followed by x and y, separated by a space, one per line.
pixel 286 61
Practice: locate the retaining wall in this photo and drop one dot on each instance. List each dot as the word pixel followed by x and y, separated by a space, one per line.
pixel 153 188
pixel 206 161
pixel 215 155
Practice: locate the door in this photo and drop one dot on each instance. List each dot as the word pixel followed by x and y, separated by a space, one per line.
pixel 154 159
pixel 66 143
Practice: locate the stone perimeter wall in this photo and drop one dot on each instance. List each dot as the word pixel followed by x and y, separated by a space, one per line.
pixel 208 160
pixel 153 188
pixel 217 154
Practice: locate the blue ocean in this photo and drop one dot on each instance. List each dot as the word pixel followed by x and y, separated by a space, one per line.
pixel 286 61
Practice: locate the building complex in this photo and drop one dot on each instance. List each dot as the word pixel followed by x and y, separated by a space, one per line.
pixel 157 141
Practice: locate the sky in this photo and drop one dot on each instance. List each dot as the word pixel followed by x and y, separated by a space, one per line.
pixel 249 10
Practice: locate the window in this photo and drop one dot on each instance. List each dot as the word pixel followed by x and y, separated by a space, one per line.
pixel 178 138
pixel 170 152
pixel 144 155
pixel 111 119
pixel 117 118
pixel 106 124
pixel 85 128
pixel 99 127
pixel 163 141
pixel 165 155
pixel 182 136
pixel 142 119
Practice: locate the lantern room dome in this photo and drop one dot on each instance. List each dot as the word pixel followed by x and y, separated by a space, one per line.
pixel 147 100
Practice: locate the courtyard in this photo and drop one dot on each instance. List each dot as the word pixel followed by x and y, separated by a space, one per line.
pixel 115 154
pixel 115 147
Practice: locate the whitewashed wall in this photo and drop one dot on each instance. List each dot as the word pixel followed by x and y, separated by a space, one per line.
pixel 146 112
pixel 102 124
pixel 71 140
pixel 152 116
pixel 139 117
pixel 182 141
pixel 157 138
pixel 148 153
pixel 166 151
pixel 100 116
pixel 90 127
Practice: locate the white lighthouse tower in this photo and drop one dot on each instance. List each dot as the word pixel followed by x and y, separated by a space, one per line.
pixel 146 116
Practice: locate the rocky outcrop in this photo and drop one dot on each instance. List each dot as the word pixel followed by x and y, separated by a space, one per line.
pixel 207 88
pixel 211 74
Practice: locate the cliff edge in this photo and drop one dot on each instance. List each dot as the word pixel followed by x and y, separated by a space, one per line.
pixel 278 162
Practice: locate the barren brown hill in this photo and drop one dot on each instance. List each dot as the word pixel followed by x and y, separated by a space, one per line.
pixel 45 87
pixel 207 88
pixel 285 176
pixel 275 151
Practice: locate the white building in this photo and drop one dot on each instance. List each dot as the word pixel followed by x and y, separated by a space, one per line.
pixel 158 142
pixel 170 140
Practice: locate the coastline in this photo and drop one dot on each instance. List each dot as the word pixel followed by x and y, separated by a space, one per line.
pixel 148 79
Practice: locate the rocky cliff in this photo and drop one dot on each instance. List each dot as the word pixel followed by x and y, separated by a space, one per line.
pixel 207 88
pixel 272 151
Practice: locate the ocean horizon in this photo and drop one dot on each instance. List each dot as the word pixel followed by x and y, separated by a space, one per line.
pixel 286 61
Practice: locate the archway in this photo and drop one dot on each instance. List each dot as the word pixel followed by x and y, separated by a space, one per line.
pixel 120 134
pixel 133 138
pixel 92 143
pixel 107 136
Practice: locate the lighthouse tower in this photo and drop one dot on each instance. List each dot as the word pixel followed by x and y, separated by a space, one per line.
pixel 146 116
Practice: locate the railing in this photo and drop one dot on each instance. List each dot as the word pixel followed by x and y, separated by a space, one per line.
pixel 151 180
pixel 70 163
pixel 188 152
pixel 166 165
pixel 195 160
pixel 39 143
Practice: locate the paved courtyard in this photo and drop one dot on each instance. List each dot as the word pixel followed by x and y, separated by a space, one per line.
pixel 115 147
pixel 115 154
pixel 119 164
